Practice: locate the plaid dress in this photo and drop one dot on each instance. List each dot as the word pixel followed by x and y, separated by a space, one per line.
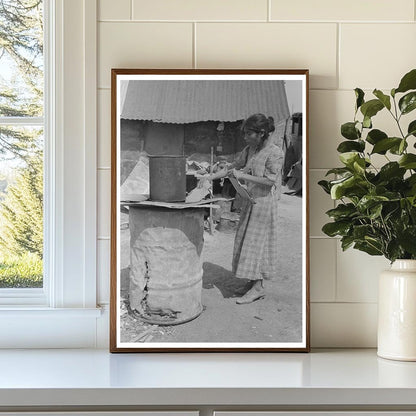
pixel 255 246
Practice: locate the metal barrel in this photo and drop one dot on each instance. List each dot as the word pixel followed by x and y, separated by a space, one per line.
pixel 166 267
pixel 167 178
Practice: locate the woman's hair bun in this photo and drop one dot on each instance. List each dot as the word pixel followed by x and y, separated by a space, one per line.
pixel 260 123
pixel 271 125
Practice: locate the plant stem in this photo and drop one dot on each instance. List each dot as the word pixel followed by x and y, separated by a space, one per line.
pixel 388 234
pixel 397 118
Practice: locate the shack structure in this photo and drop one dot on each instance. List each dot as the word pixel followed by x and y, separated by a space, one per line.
pixel 185 117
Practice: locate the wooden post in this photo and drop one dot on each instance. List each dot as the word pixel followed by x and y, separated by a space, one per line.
pixel 211 221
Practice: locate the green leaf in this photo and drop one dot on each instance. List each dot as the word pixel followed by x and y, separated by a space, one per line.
pixel 369 201
pixel 342 211
pixel 371 108
pixel 374 242
pixel 391 212
pixel 402 147
pixel 368 248
pixel 403 206
pixel 359 95
pixel 348 158
pixel 375 136
pixel 408 82
pixel 392 196
pixel 338 188
pixel 408 161
pixel 338 171
pixel 359 165
pixel 408 102
pixel 413 210
pixel 375 211
pixel 346 242
pixel 367 122
pixel 411 130
pixel 412 201
pixel 349 131
pixel 393 92
pixel 411 184
pixel 349 146
pixel 383 145
pixel 391 170
pixel 361 231
pixel 407 239
pixel 336 228
pixel 385 99
pixel 393 250
pixel 411 180
pixel 398 149
pixel 342 179
pixel 325 186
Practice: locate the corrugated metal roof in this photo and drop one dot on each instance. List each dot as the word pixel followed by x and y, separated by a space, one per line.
pixel 186 101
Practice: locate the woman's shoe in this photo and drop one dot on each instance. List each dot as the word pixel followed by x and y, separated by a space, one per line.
pixel 251 296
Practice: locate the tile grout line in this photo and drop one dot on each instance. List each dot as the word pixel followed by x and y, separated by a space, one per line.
pixel 338 63
pixel 269 11
pixel 194 63
pixel 355 302
pixel 323 237
pixel 131 9
pixel 306 22
pixel 108 89
pixel 336 271
pixel 319 169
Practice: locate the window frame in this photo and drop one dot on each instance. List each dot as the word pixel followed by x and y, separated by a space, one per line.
pixel 70 167
pixel 38 296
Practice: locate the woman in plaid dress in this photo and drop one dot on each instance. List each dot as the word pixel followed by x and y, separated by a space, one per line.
pixel 259 166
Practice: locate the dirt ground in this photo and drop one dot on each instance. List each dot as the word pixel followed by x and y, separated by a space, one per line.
pixel 276 318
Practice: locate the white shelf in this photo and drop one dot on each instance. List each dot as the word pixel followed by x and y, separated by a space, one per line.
pixel 335 378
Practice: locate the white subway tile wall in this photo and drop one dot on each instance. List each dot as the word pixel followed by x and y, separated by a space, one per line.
pixel 319 203
pixel 104 202
pixel 323 269
pixel 145 45
pixel 349 325
pixel 367 50
pixel 328 109
pixel 345 44
pixel 201 10
pixel 270 45
pixel 355 10
pixel 357 275
pixel 114 10
pixel 103 270
pixel 104 128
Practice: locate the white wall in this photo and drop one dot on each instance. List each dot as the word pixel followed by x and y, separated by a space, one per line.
pixel 345 44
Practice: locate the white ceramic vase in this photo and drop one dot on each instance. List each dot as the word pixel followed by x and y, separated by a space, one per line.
pixel 397 312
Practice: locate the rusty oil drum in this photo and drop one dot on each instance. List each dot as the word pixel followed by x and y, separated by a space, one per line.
pixel 165 282
pixel 167 178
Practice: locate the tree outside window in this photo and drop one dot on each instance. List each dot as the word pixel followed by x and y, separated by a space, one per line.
pixel 21 143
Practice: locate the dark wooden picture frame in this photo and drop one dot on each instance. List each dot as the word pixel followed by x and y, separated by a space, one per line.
pixel 173 134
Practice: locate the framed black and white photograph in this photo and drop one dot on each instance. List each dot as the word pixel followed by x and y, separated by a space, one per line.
pixel 209 210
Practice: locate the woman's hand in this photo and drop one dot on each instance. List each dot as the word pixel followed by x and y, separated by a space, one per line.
pixel 201 176
pixel 238 174
pixel 217 175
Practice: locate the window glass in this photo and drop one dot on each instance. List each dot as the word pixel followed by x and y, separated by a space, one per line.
pixel 21 143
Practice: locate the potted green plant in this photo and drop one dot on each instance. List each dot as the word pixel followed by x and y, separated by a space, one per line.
pixel 376 207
